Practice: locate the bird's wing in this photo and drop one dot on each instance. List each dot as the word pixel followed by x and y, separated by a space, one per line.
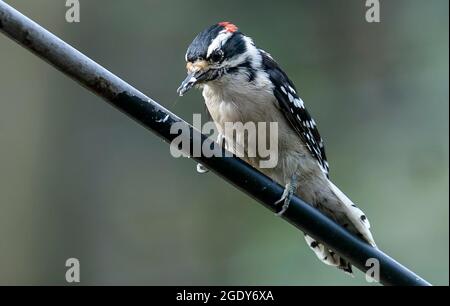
pixel 295 112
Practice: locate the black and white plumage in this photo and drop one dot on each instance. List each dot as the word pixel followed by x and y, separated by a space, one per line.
pixel 294 110
pixel 242 83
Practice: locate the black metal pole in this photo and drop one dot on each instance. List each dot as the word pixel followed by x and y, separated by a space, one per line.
pixel 159 120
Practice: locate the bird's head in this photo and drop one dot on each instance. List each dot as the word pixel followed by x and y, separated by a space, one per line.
pixel 217 51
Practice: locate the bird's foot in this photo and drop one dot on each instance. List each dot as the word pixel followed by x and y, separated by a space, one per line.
pixel 287 195
pixel 221 141
pixel 201 169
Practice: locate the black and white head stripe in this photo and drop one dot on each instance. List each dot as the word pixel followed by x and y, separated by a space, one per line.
pixel 224 37
pixel 294 110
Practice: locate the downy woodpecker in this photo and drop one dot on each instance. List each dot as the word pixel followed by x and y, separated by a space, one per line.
pixel 242 83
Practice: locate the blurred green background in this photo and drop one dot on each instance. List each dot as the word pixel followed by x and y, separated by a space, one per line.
pixel 79 179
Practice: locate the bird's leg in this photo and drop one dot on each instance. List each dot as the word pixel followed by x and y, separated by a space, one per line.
pixel 221 141
pixel 289 190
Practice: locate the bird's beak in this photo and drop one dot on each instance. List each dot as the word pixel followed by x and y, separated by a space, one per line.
pixel 197 72
pixel 189 82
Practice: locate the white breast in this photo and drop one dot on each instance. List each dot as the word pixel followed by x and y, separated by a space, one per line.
pixel 234 99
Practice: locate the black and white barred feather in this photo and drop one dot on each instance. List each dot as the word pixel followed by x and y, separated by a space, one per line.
pixel 295 112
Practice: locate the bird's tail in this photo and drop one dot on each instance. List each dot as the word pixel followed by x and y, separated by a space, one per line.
pixel 328 256
pixel 342 210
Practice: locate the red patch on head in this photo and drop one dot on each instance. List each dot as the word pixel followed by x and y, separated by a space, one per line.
pixel 228 26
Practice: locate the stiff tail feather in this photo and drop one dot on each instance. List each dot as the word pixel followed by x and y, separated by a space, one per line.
pixel 341 209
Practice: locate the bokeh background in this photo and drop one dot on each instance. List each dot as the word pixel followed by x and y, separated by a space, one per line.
pixel 79 179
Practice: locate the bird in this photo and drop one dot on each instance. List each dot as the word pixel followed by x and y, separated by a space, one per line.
pixel 243 83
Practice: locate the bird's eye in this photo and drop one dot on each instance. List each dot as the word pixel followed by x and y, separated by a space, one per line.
pixel 216 56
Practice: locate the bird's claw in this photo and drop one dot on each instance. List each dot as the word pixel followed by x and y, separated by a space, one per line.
pixel 221 141
pixel 287 195
pixel 201 169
